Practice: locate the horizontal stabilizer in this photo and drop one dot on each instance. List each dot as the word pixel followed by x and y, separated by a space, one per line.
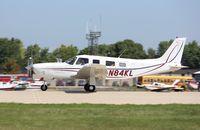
pixel 178 66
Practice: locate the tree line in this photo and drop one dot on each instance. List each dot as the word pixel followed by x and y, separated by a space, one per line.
pixel 14 56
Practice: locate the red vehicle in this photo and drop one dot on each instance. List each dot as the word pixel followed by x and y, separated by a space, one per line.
pixel 5 78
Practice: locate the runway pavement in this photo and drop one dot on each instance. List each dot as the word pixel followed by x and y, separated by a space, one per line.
pixel 101 97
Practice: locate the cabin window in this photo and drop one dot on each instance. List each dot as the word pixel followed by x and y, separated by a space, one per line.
pixel 110 63
pixel 82 61
pixel 96 61
pixel 71 60
pixel 122 64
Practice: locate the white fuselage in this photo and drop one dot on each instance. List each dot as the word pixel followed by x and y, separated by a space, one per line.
pixel 121 68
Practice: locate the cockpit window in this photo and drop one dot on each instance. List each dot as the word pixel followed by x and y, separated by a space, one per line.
pixel 82 61
pixel 71 60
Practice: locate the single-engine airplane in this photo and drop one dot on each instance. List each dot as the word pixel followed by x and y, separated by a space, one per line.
pixel 156 86
pixel 99 67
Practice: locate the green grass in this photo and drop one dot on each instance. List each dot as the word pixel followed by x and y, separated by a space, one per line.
pixel 99 117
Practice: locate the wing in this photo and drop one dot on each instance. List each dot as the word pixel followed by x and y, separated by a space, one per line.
pixel 157 88
pixel 96 71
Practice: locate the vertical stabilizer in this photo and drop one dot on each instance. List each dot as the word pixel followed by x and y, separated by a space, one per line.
pixel 174 52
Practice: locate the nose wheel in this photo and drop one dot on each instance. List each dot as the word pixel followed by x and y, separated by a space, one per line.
pixel 89 88
pixel 44 87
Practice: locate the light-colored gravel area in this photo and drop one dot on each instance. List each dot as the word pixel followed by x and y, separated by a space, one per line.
pixel 102 97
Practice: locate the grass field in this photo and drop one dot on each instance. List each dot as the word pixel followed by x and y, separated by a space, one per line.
pixel 99 117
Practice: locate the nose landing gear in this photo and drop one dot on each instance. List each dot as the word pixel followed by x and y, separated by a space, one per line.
pixel 44 87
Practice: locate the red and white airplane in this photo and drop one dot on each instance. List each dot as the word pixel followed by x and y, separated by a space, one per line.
pixel 156 86
pixel 193 84
pixel 92 67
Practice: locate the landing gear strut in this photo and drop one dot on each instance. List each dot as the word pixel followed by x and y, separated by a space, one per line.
pixel 89 88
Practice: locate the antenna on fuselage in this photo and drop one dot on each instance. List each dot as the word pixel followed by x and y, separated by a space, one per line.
pixel 121 53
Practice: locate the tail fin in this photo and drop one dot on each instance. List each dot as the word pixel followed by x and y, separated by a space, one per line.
pixel 176 81
pixel 174 52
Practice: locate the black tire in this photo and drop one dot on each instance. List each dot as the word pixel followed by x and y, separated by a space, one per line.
pixel 44 87
pixel 86 87
pixel 91 88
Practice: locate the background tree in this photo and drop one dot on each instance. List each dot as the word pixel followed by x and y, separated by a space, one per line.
pixel 111 50
pixel 84 51
pixel 104 49
pixel 11 48
pixel 131 49
pixel 65 52
pixel 34 52
pixel 44 52
pixel 11 67
pixel 191 55
pixel 151 53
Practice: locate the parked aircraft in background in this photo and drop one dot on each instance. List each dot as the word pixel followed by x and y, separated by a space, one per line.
pixel 13 85
pixel 193 84
pixel 98 67
pixel 7 86
pixel 155 86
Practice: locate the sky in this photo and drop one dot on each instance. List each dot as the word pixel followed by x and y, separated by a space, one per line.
pixel 51 23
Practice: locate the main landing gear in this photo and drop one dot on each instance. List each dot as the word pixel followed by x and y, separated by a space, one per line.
pixel 89 88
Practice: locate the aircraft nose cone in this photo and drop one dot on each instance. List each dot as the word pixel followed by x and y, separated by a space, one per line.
pixel 33 67
pixel 37 68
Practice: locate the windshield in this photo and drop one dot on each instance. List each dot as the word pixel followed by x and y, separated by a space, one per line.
pixel 71 60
